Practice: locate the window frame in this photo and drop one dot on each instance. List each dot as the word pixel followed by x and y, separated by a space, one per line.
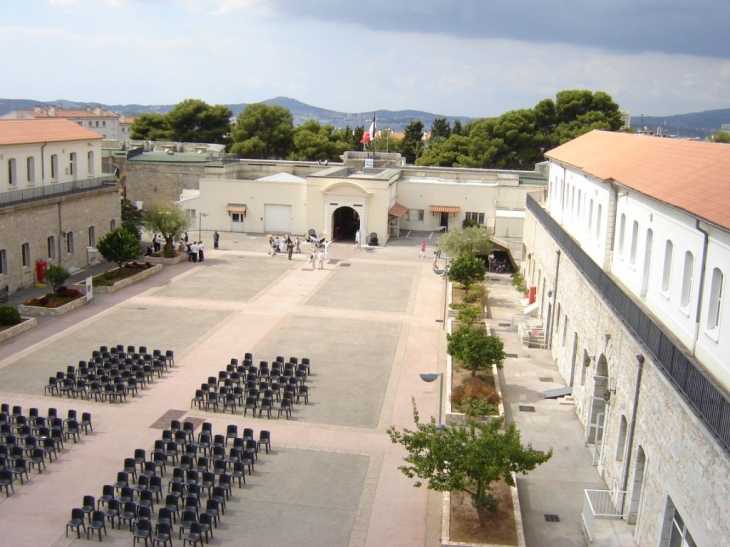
pixel 478 217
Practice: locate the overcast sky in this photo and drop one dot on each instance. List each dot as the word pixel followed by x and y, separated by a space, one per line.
pixel 472 58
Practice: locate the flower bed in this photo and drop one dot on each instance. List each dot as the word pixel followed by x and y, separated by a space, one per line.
pixel 6 333
pixel 180 256
pixel 54 304
pixel 133 272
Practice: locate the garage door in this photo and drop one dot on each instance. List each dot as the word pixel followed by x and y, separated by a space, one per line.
pixel 277 219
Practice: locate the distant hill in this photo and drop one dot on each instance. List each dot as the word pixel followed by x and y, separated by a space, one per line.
pixel 696 124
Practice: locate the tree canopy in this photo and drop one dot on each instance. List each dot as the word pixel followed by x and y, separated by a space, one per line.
pixel 119 246
pixel 473 240
pixel 191 120
pixel 168 219
pixel 721 136
pixel 467 269
pixel 412 144
pixel 131 217
pixel 466 459
pixel 264 132
pixel 151 127
pixel 475 349
pixel 313 141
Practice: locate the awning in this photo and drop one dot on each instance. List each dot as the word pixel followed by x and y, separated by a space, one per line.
pixel 397 211
pixel 236 208
pixel 443 209
pixel 558 392
pixel 531 308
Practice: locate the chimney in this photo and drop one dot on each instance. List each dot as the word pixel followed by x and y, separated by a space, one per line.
pixel 52 111
pixel 97 111
pixel 38 109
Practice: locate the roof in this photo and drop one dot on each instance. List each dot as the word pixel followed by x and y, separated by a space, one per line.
pixel 693 176
pixel 39 131
pixel 59 112
pixel 281 177
pixel 397 210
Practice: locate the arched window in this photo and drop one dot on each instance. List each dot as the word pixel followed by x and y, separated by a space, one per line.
pixel 621 234
pixel 667 272
pixel 716 290
pixel 598 223
pixel 590 218
pixel 634 241
pixel 689 264
pixel 621 444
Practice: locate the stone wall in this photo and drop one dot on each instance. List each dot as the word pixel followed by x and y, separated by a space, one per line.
pixel 683 460
pixel 33 223
pixel 151 182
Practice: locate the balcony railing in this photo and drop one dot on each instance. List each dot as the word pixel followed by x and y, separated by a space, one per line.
pixel 600 504
pixel 708 401
pixel 37 193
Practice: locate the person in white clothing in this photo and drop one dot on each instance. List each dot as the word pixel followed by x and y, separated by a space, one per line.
pixel 201 255
pixel 320 259
pixel 193 252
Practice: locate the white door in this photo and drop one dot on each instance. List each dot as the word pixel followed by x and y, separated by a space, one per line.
pixel 277 219
pixel 237 222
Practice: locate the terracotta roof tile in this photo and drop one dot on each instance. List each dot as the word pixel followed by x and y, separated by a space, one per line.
pixel 690 175
pixel 43 130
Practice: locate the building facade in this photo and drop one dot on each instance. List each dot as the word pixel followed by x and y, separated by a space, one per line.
pixel 629 255
pixel 55 202
pixel 103 122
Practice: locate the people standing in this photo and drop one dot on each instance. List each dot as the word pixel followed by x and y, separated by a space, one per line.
pixel 157 242
pixel 289 247
pixel 312 259
pixel 296 245
pixel 320 259
pixel 326 250
pixel 186 237
pixel 435 260
pixel 422 254
pixel 190 252
pixel 194 251
pixel 201 254
pixel 216 239
pixel 357 239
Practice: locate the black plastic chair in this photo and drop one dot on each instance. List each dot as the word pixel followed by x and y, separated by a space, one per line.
pixel 194 535
pixel 98 523
pixel 264 439
pixel 142 530
pixel 20 468
pixel 112 512
pixel 76 522
pixel 6 481
pixel 188 518
pixel 37 459
pixel 88 506
pixel 128 514
pixel 163 534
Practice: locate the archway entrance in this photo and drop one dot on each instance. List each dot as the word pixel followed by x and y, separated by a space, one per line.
pixel 345 222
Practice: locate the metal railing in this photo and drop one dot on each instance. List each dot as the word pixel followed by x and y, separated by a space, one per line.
pixel 37 193
pixel 708 401
pixel 600 504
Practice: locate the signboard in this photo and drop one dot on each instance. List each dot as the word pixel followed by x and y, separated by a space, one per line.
pixel 89 289
pixel 369 163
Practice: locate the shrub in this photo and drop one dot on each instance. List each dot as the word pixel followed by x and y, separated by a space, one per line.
pixel 475 398
pixel 9 316
pixel 57 275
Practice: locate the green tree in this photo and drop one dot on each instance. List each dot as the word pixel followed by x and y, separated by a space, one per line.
pixel 468 315
pixel 721 136
pixel 119 246
pixel 457 129
pixel 57 275
pixel 412 144
pixel 452 152
pixel 168 219
pixel 131 217
pixel 466 459
pixel 313 141
pixel 440 129
pixel 475 349
pixel 193 120
pixel 151 127
pixel 264 132
pixel 467 269
pixel 474 241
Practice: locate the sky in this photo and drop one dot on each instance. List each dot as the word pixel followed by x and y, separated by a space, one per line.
pixel 474 58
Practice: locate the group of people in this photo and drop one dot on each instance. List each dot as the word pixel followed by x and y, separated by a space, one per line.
pixel 196 250
pixel 317 258
pixel 283 245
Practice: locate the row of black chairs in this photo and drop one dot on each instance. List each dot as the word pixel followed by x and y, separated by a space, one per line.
pixel 249 387
pixel 111 375
pixel 27 440
pixel 197 470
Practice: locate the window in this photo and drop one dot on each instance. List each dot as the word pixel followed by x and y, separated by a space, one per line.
pixel 598 223
pixel 72 163
pixel 689 264
pixel 80 123
pixel 590 218
pixel 667 272
pixel 580 197
pixel 565 329
pixel 90 161
pixel 12 172
pixel 54 166
pixel 621 235
pixel 92 237
pixel 713 313
pixel 70 243
pixel 113 224
pixel 90 124
pixel 415 215
pixel 97 124
pixel 30 169
pixel 621 444
pixel 103 124
pixel 634 240
pixel 3 262
pixel 675 532
pixel 478 217
pixel 25 255
pixel 51 247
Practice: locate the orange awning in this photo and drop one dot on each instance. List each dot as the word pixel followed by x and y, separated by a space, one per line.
pixel 443 209
pixel 397 211
pixel 236 208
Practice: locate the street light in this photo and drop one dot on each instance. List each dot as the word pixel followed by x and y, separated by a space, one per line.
pixel 430 377
pixel 447 266
pixel 200 225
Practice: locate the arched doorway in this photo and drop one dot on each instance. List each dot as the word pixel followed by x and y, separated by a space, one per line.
pixel 638 486
pixel 345 223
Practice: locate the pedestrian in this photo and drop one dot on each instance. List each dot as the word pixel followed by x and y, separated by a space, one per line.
pixel 296 245
pixel 289 248
pixel 271 245
pixel 216 239
pixel 186 237
pixel 201 254
pixel 312 259
pixel 357 239
pixel 190 252
pixel 422 254
pixel 149 251
pixel 326 250
pixel 435 260
pixel 194 251
pixel 320 259
pixel 157 242
pixel 276 245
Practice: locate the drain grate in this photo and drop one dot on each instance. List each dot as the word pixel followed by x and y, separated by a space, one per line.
pixel 345 265
pixel 545 379
pixel 439 320
pixel 513 355
pixel 527 408
pixel 505 325
pixel 163 422
pixel 552 518
pixel 333 261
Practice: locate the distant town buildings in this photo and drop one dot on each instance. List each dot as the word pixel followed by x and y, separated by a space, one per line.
pixel 109 125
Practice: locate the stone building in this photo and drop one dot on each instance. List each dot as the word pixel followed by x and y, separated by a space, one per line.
pixel 629 257
pixel 55 202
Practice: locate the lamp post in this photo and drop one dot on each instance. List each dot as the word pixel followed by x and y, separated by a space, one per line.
pixel 430 377
pixel 446 289
pixel 200 224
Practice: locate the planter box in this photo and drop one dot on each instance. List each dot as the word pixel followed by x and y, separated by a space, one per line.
pixel 37 311
pixel 143 274
pixel 180 257
pixel 27 324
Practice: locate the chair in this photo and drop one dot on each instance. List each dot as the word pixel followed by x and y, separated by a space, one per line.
pixel 172 504
pixel 49 448
pixel 191 501
pixel 155 486
pixel 206 522
pixel 238 472
pixel 37 458
pixel 20 468
pixel 6 481
pixel 76 522
pixel 202 464
pixel 194 535
pixel 112 512
pixel 188 518
pixel 51 388
pixel 142 530
pixel 144 512
pixel 222 491
pixel 175 426
pixel 127 513
pixel 212 401
pixel 252 403
pixel 207 481
pixel 203 443
pixel 230 402
pixel 266 405
pixel 146 499
pixel 187 462
pixel 189 429
pixel 88 506
pixel 163 533
pixel 303 392
pixel 264 439
pixel 98 523
pixel 219 441
pixel 285 407
pixel 170 357
pixel 125 494
pixel 85 422
pixel 107 494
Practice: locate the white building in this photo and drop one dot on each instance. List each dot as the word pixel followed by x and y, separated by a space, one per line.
pixel 629 257
pixel 108 124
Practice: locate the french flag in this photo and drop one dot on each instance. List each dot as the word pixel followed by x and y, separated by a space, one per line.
pixel 370 135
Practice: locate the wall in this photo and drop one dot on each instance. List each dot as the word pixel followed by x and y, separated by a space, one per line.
pixel 150 182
